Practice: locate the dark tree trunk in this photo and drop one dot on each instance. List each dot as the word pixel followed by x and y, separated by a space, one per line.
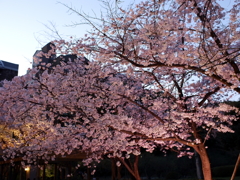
pixel 119 176
pixel 113 169
pixel 132 167
pixel 135 167
pixel 198 165
pixel 236 167
pixel 116 171
pixel 206 167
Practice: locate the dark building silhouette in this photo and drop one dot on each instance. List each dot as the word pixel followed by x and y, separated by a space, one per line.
pixel 8 70
pixel 46 57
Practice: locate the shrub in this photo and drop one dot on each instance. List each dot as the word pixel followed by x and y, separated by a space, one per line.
pixel 224 171
pixel 173 175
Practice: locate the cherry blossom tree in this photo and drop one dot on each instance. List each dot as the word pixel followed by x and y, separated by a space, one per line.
pixel 171 44
pixel 61 110
pixel 158 75
pixel 101 111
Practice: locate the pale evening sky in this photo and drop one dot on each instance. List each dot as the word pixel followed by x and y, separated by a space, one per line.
pixel 23 26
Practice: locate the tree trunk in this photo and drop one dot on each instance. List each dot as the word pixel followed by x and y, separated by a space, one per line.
pixel 132 168
pixel 236 167
pixel 119 176
pixel 116 171
pixel 206 168
pixel 135 167
pixel 88 174
pixel 198 165
pixel 113 169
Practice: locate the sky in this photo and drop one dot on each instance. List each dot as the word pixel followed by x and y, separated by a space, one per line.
pixel 25 26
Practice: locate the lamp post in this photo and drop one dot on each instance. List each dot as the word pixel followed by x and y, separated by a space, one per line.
pixel 27 170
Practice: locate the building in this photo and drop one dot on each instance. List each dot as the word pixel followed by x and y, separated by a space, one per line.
pixel 47 56
pixel 44 56
pixel 8 70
